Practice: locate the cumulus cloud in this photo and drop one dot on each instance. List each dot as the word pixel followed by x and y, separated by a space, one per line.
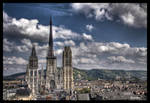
pixel 27 42
pixel 129 13
pixel 41 50
pixel 14 60
pixel 11 46
pixel 86 60
pixel 64 43
pixel 31 29
pixel 7 46
pixel 42 61
pixel 96 10
pixel 89 27
pixel 22 48
pixel 109 55
pixel 128 19
pixel 90 55
pixel 87 36
pixel 120 59
pixel 58 43
pixel 6 18
pixel 85 55
pixel 59 52
pixel 61 32
pixel 69 43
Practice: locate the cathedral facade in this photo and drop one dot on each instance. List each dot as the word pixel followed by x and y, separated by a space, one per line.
pixel 54 78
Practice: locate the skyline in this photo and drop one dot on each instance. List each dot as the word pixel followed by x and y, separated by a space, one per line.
pixel 100 36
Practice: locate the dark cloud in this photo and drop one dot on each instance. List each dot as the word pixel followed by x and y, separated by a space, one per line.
pixel 131 14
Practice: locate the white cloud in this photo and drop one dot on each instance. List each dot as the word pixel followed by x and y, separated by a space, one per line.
pixel 11 46
pixel 96 10
pixel 87 55
pixel 6 18
pixel 58 43
pixel 120 59
pixel 58 52
pixel 42 61
pixel 27 42
pixel 86 60
pixel 128 19
pixel 64 43
pixel 91 9
pixel 89 27
pixel 61 32
pixel 14 60
pixel 91 54
pixel 31 29
pixel 22 48
pixel 69 43
pixel 26 46
pixel 129 13
pixel 87 36
pixel 112 55
pixel 7 46
pixel 119 45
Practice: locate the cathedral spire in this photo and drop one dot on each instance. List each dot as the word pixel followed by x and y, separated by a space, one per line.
pixel 51 54
pixel 33 51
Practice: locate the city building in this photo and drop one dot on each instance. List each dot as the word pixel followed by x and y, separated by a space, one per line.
pixel 54 79
pixel 83 96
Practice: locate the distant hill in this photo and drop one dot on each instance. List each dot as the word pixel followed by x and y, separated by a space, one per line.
pixel 94 74
pixel 14 76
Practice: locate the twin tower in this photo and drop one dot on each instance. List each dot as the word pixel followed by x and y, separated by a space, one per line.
pixel 54 78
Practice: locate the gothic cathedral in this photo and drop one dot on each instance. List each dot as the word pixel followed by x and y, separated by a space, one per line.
pixel 54 78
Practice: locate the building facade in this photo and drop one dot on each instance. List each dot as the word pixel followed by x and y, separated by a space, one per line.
pixel 54 78
pixel 32 72
pixel 67 69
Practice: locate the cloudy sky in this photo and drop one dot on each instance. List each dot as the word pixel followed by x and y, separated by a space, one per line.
pixel 101 35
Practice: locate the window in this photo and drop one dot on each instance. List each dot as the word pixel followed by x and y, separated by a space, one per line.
pixel 35 73
pixel 31 73
pixel 68 61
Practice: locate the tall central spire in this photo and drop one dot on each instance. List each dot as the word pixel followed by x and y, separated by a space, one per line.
pixel 50 53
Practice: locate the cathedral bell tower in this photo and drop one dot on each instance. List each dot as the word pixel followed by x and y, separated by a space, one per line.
pixel 32 72
pixel 68 83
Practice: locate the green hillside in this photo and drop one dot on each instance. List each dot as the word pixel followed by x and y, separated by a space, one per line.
pixel 94 74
